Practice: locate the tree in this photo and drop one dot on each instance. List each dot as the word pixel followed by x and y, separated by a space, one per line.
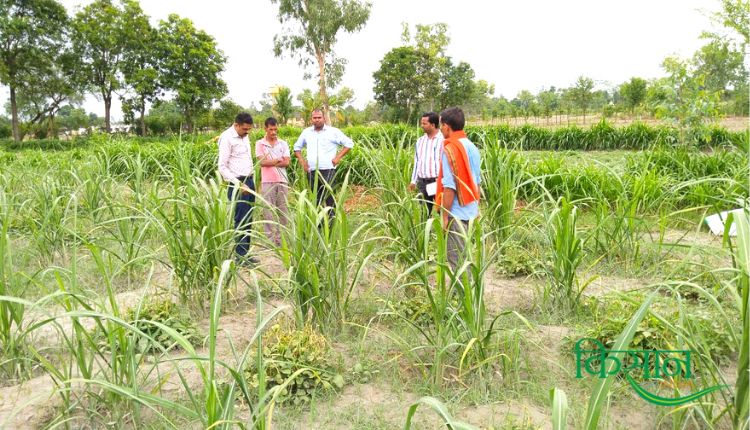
pixel 72 118
pixel 101 37
pixel 225 114
pixel 458 84
pixel 140 66
pixel 43 96
pixel 684 97
pixel 283 105
pixel 548 101
pixel 29 31
pixel 405 80
pixel 191 65
pixel 582 94
pixel 311 30
pixel 633 92
pixel 525 101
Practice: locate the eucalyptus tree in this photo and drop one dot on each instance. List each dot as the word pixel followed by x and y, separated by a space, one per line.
pixel 29 31
pixel 191 65
pixel 311 29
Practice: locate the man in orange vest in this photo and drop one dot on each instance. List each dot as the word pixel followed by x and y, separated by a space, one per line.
pixel 458 182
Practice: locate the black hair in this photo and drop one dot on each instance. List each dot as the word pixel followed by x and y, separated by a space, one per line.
pixel 454 118
pixel 433 118
pixel 243 118
pixel 270 121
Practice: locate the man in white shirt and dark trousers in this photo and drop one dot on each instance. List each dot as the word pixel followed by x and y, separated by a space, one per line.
pixel 427 159
pixel 236 167
pixel 322 142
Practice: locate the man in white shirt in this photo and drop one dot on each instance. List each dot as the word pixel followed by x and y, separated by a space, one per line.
pixel 236 167
pixel 427 159
pixel 322 142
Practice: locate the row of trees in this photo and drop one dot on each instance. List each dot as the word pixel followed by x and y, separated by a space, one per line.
pixel 49 59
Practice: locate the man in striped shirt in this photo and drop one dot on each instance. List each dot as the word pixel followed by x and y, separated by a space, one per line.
pixel 427 156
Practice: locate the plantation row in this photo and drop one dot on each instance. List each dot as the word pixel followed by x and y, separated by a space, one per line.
pixel 678 177
pixel 601 136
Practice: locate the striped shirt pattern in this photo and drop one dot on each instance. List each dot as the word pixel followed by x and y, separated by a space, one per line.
pixel 427 157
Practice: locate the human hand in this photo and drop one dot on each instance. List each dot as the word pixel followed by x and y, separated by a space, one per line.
pixel 306 166
pixel 336 161
pixel 446 221
pixel 412 186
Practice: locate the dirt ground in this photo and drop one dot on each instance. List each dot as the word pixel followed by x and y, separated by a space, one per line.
pixel 31 404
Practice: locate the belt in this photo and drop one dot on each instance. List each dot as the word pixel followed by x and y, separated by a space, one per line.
pixel 244 178
pixel 427 179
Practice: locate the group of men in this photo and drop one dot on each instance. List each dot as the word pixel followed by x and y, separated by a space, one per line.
pixel 445 173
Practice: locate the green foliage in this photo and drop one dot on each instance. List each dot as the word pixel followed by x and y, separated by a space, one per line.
pixel 166 313
pixel 516 260
pixel 311 33
pixel 191 67
pixel 283 106
pixel 301 358
pixel 611 316
pixel 30 32
pixel 634 92
pixel 564 291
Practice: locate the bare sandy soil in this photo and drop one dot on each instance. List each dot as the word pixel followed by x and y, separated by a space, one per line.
pixel 31 404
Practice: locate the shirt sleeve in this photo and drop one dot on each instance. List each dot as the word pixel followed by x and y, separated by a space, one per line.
pixel 448 180
pixel 301 142
pixel 344 140
pixel 414 169
pixel 225 151
pixel 260 150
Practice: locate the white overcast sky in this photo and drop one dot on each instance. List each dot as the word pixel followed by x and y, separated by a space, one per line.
pixel 515 45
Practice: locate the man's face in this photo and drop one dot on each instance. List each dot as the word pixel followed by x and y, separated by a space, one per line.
pixel 242 129
pixel 317 119
pixel 272 131
pixel 445 129
pixel 426 125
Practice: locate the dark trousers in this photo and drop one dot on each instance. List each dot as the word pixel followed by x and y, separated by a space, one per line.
pixel 429 201
pixel 243 213
pixel 318 180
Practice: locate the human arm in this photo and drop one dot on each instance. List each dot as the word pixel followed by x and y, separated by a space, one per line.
pixel 337 159
pixel 301 160
pixel 449 191
pixel 413 183
pixel 225 152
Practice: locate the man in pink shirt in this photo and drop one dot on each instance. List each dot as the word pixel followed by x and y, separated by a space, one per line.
pixel 273 156
pixel 236 167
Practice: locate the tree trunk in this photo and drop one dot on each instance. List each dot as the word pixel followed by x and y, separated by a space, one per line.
pixel 107 107
pixel 322 85
pixel 143 119
pixel 14 114
pixel 50 126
